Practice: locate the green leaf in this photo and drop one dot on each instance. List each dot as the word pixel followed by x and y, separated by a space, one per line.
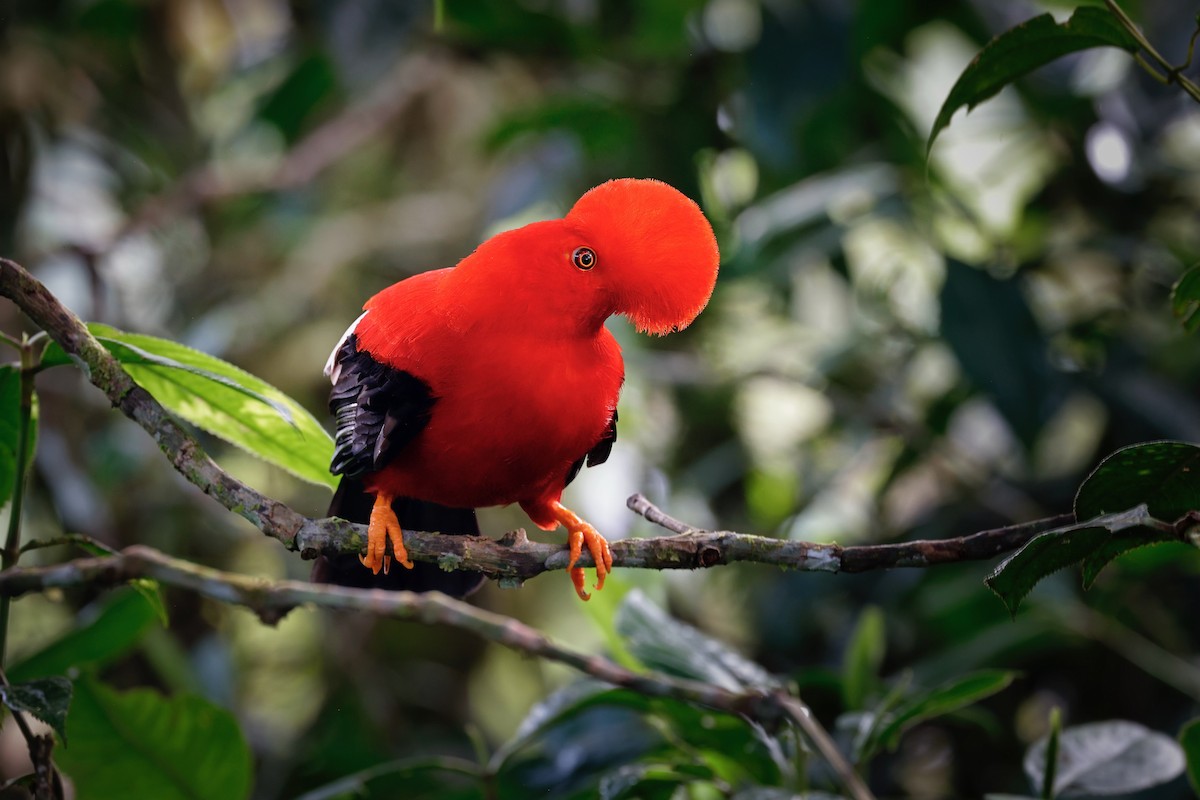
pixel 220 398
pixel 864 655
pixel 1105 758
pixel 666 644
pixel 1189 740
pixel 10 430
pixel 992 331
pixel 48 699
pixel 1163 475
pixel 1043 555
pixel 123 618
pixel 1030 45
pixel 950 696
pixel 1185 299
pixel 141 744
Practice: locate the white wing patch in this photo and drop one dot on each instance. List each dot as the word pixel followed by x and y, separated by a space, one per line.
pixel 333 370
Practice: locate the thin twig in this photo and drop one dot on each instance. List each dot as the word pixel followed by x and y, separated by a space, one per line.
pixel 803 716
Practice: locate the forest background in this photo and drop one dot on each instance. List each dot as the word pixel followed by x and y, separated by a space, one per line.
pixel 911 338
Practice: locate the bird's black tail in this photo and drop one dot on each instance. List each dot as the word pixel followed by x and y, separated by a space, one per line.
pixel 353 502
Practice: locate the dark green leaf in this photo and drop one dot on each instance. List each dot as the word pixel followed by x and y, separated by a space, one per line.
pixel 48 699
pixel 120 623
pixel 1189 740
pixel 1185 299
pixel 1019 51
pixel 950 696
pixel 663 643
pixel 995 337
pixel 1105 758
pixel 1163 475
pixel 220 398
pixel 294 102
pixel 1043 555
pixel 10 430
pixel 563 703
pixel 864 655
pixel 141 744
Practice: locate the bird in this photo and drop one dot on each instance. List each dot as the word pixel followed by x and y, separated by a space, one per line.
pixel 494 381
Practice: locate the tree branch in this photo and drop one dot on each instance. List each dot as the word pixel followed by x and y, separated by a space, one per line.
pixel 514 557
pixel 272 600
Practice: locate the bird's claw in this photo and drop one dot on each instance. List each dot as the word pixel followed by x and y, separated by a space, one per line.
pixel 597 545
pixel 384 528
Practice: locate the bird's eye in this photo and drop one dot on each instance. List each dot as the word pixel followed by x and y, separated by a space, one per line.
pixel 584 258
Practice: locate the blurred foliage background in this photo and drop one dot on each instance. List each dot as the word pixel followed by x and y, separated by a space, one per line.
pixel 898 347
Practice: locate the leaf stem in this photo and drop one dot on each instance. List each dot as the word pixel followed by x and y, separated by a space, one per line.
pixel 1173 73
pixel 12 542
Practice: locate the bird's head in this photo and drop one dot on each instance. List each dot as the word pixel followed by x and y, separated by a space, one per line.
pixel 647 249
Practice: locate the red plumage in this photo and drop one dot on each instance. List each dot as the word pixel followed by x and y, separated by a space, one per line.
pixel 517 378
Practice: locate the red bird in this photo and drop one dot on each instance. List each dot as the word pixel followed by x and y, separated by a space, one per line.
pixel 492 382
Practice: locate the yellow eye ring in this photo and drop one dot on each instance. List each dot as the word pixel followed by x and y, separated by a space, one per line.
pixel 583 258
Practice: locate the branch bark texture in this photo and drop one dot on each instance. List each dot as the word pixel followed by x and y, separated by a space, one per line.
pixel 513 558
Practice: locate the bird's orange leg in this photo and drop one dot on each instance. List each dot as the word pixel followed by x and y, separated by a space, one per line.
pixel 580 533
pixel 382 528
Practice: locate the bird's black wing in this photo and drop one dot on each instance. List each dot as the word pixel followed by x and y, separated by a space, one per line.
pixel 599 452
pixel 380 409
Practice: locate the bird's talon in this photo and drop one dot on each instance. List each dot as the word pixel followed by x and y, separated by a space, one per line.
pixel 577 578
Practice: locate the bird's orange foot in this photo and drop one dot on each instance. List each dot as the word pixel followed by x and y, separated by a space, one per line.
pixel 382 528
pixel 580 533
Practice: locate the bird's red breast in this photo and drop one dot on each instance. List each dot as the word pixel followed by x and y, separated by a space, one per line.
pixel 521 376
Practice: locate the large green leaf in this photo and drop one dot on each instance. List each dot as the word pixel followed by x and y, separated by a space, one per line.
pixel 666 644
pixel 222 399
pixel 48 699
pixel 120 623
pixel 1107 758
pixel 10 430
pixel 1021 50
pixel 141 744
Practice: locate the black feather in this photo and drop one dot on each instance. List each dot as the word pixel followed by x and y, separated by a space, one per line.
pixel 378 410
pixel 599 452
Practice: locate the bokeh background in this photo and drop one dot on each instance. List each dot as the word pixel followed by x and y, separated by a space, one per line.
pixel 899 346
